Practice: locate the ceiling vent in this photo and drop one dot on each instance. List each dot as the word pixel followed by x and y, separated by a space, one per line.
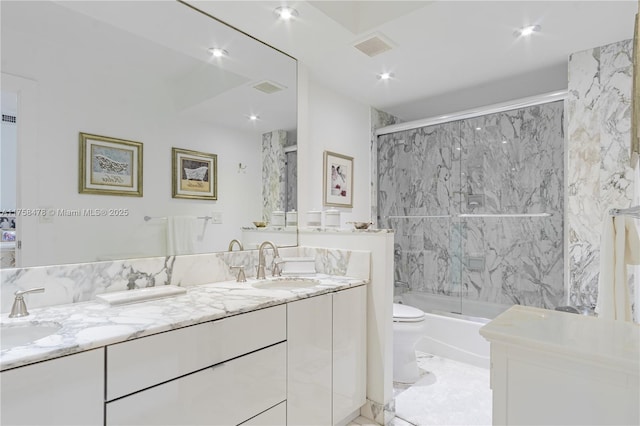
pixel 374 45
pixel 268 87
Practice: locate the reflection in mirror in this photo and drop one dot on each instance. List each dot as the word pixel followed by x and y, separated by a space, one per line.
pixel 143 72
pixel 635 103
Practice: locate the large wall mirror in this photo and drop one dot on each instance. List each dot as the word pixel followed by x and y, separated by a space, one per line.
pixel 141 72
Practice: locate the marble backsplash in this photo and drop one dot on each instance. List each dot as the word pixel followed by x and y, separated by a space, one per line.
pixel 81 282
pixel 499 164
pixel 599 174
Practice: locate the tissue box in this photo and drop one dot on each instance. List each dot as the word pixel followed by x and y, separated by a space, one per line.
pixel 298 266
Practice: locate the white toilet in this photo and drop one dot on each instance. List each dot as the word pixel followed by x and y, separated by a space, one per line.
pixel 408 325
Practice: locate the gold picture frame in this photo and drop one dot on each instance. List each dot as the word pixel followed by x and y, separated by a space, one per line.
pixel 109 166
pixel 195 174
pixel 337 180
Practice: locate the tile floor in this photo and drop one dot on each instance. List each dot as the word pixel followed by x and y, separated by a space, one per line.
pixel 448 393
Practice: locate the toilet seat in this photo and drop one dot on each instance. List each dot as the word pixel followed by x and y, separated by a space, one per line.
pixel 405 313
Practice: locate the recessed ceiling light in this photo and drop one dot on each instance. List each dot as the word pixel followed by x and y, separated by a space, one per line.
pixel 385 76
pixel 527 31
pixel 286 13
pixel 504 141
pixel 478 128
pixel 218 52
pixel 254 117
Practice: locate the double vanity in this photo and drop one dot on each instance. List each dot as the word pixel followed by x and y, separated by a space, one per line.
pixel 264 352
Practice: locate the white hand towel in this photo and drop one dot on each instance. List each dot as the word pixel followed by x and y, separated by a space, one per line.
pixel 620 246
pixel 180 234
pixel 635 201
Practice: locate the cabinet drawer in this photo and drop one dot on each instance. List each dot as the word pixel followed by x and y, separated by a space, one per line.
pixel 275 416
pixel 226 394
pixel 148 361
pixel 63 391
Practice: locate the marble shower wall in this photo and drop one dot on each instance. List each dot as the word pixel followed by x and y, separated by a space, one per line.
pixel 291 192
pixel 599 176
pixel 503 163
pixel 379 119
pixel 274 173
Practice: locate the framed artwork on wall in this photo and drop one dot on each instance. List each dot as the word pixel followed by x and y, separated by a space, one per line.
pixel 338 180
pixel 110 166
pixel 194 174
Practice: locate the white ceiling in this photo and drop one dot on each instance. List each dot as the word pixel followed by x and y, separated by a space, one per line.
pixel 448 55
pixel 137 48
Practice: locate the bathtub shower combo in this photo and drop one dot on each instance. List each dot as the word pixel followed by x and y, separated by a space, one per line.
pixel 476 205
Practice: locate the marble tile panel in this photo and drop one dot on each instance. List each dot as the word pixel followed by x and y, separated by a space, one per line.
pixel 291 191
pixel 514 261
pixel 379 413
pixel 274 172
pixel 599 176
pixel 415 172
pixel 514 160
pixel 352 263
pixel 428 176
pixel 379 119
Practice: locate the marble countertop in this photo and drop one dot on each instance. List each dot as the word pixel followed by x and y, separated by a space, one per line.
pixel 90 325
pixel 592 339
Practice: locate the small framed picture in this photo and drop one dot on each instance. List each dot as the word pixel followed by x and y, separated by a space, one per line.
pixel 194 174
pixel 338 180
pixel 8 236
pixel 110 166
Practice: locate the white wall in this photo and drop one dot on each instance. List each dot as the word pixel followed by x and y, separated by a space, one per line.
pixel 328 121
pixel 78 91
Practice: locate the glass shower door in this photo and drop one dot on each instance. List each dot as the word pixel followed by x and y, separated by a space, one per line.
pixel 512 167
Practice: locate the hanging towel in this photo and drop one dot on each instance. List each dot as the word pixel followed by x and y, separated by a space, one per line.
pixel 181 232
pixel 620 246
pixel 636 202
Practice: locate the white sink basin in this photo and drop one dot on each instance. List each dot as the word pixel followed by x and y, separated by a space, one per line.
pixel 287 283
pixel 21 334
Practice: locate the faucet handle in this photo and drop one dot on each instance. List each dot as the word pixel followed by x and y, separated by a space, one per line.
pixel 242 278
pixel 276 271
pixel 19 308
pixel 19 293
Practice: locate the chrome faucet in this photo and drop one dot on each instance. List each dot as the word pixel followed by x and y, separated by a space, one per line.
pixel 261 260
pixel 241 278
pixel 238 243
pixel 19 308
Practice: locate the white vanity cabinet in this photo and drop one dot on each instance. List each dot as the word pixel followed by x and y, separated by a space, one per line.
pixel 224 394
pixel 309 335
pixel 349 352
pixel 557 368
pixel 326 337
pixel 299 363
pixel 64 391
pixel 221 372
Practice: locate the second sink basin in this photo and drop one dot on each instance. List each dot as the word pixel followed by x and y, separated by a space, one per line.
pixel 287 283
pixel 12 335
